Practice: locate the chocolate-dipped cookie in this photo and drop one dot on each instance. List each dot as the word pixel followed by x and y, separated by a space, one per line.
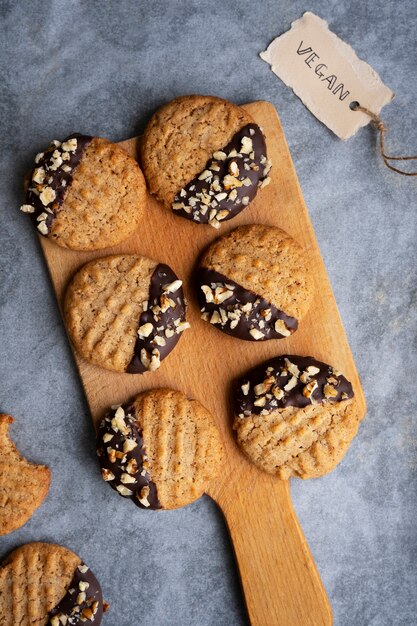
pixel 295 416
pixel 254 283
pixel 85 193
pixel 204 158
pixel 160 450
pixel 42 584
pixel 125 313
pixel 23 485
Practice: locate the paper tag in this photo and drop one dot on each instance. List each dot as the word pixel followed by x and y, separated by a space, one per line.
pixel 325 73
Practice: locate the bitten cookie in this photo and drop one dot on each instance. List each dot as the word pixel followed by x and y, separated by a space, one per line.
pixel 254 283
pixel 23 485
pixel 45 584
pixel 125 313
pixel 85 193
pixel 160 450
pixel 205 158
pixel 295 416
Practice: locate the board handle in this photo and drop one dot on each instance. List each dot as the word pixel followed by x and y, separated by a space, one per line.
pixel 280 581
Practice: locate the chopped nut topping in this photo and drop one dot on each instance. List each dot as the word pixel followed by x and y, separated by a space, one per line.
pixel 245 388
pixel 260 401
pixel 206 175
pixel 233 168
pixel 291 383
pixel 70 145
pixel 38 175
pixel 332 380
pixel 127 478
pixel 281 328
pixel 278 393
pixel 182 326
pixel 81 598
pixel 219 155
pixel 145 330
pixel 329 391
pixel 231 182
pixel 312 370
pixel 47 196
pixel 221 215
pixel 292 368
pixel 207 292
pixel 42 228
pixel 107 474
pixel 247 145
pixel 83 585
pixel 129 445
pixel 256 334
pixel 111 453
pixel 172 287
pixel 124 491
pixel 143 496
pixel 27 208
pixel 308 390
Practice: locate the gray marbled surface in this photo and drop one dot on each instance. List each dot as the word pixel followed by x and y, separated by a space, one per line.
pixel 102 68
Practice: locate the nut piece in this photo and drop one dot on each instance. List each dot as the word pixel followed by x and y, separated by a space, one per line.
pixel 282 329
pixel 329 391
pixel 291 383
pixel 143 496
pixel 145 330
pixel 256 334
pixel 107 475
pixel 245 388
pixel 308 390
pixel 27 208
pixel 172 287
pixel 124 491
pixel 47 196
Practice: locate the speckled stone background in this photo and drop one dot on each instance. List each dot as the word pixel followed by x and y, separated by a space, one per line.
pixel 102 67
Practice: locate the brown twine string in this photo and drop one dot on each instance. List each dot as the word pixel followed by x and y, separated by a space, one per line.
pixel 380 126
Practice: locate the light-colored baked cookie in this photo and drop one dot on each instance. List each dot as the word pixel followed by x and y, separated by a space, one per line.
pixel 23 485
pixel 125 313
pixel 205 158
pixel 85 193
pixel 160 450
pixel 254 283
pixel 45 584
pixel 295 416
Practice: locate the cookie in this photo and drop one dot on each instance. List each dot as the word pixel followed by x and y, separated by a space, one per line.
pixel 125 313
pixel 205 158
pixel 295 416
pixel 160 450
pixel 85 193
pixel 45 584
pixel 23 485
pixel 254 283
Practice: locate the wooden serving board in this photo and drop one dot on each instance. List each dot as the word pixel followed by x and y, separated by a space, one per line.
pixel 280 581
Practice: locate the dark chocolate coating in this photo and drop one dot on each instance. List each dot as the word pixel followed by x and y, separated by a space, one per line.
pixel 256 170
pixel 262 315
pixel 58 179
pixel 161 320
pixel 113 459
pixel 275 375
pixel 74 610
